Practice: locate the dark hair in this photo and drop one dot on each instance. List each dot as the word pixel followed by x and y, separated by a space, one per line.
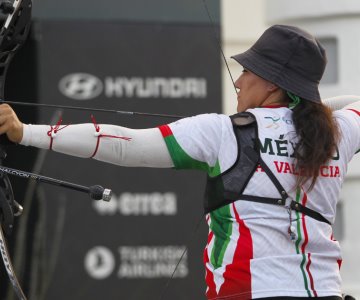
pixel 318 137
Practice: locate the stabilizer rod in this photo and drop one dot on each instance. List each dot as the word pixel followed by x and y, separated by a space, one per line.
pixel 95 192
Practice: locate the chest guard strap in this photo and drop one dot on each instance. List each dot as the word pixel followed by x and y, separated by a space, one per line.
pixel 229 186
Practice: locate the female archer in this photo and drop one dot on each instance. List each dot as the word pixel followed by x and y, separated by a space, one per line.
pixel 275 169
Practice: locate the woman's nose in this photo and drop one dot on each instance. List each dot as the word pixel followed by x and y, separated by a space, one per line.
pixel 238 82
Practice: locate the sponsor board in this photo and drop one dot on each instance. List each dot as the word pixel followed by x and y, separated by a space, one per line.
pixel 84 86
pixel 138 204
pixel 136 262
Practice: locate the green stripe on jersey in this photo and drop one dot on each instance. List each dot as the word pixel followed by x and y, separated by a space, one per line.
pixel 221 225
pixel 182 160
pixel 297 244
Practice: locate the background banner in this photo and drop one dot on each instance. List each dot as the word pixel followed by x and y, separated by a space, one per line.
pixel 128 248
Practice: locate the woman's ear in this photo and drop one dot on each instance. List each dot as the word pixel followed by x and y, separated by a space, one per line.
pixel 272 87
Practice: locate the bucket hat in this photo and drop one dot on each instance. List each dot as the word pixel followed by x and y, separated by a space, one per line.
pixel 289 57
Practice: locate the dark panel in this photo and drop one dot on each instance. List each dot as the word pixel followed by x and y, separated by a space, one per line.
pixel 128 247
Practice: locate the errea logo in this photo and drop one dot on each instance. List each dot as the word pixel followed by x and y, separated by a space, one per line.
pixel 81 86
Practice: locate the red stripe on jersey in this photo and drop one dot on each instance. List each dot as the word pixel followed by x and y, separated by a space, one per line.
pixel 339 261
pixel 355 111
pixel 275 106
pixel 310 275
pixel 165 130
pixel 306 237
pixel 237 275
pixel 209 277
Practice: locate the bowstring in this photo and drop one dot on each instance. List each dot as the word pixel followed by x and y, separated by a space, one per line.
pixel 219 43
pixel 187 244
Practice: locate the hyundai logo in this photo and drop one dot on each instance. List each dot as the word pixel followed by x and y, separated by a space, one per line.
pixel 81 86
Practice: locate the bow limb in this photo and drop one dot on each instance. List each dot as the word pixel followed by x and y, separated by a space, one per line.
pixel 8 209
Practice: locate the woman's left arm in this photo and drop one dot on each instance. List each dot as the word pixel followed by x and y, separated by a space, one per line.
pixel 113 144
pixel 109 143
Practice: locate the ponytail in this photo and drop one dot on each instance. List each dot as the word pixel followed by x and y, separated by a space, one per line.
pixel 318 137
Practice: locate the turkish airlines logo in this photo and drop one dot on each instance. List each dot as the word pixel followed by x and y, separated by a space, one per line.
pixel 99 262
pixel 81 86
pixel 137 262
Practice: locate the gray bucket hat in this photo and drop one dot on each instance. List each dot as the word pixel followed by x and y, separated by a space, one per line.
pixel 289 57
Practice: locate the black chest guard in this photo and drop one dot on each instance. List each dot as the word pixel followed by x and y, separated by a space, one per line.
pixel 229 186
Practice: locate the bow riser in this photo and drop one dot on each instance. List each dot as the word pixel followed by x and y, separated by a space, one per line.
pixel 13 34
